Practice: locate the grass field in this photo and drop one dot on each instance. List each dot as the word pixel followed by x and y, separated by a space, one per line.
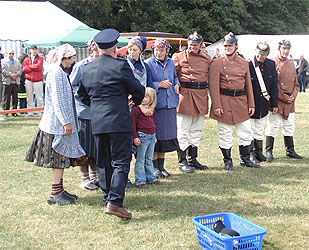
pixel 275 197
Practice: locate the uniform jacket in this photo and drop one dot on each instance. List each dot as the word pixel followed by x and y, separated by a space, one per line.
pixel 105 86
pixel 59 107
pixel 287 86
pixel 166 98
pixel 192 67
pixel 8 69
pixel 269 75
pixel 230 74
pixel 33 71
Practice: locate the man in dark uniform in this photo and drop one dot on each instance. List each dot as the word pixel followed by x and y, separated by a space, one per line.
pixel 105 86
pixel 264 82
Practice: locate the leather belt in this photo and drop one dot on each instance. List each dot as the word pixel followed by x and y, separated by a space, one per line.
pixel 194 85
pixel 232 92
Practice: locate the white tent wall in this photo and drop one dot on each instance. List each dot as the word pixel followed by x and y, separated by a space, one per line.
pixel 247 45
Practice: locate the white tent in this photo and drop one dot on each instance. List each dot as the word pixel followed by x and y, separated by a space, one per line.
pixel 31 20
pixel 247 45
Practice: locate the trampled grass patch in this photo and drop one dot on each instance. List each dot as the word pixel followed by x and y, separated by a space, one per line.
pixel 275 197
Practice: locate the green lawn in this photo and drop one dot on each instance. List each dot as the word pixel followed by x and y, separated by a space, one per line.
pixel 274 197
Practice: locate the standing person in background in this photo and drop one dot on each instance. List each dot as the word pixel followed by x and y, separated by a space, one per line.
pixel 45 70
pixel 33 68
pixel 265 90
pixel 166 84
pixel 288 88
pixel 11 72
pixel 302 71
pixel 56 142
pixel 192 70
pixel 22 94
pixel 232 101
pixel 107 91
pixel 1 91
pixel 217 53
pixel 87 163
pixel 144 138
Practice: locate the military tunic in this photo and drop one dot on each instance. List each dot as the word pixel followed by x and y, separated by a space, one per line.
pixel 231 74
pixel 287 86
pixel 192 67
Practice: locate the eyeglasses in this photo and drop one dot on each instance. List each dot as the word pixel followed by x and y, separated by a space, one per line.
pixel 11 53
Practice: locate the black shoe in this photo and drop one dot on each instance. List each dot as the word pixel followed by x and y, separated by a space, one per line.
pixel 157 173
pixel 71 196
pixel 161 167
pixel 61 200
pixel 15 115
pixel 129 184
pixel 228 163
pixel 245 157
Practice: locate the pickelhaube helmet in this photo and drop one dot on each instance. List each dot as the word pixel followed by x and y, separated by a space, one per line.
pixel 285 43
pixel 230 39
pixel 195 38
pixel 263 48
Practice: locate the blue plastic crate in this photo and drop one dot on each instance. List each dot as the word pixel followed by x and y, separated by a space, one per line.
pixel 251 235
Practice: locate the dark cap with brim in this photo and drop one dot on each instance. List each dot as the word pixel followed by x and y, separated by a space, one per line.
pixel 107 38
pixel 33 46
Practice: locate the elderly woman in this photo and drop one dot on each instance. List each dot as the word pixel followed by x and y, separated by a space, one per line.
pixel 56 141
pixel 167 86
pixel 87 163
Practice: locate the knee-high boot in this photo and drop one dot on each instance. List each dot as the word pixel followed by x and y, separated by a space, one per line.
pixel 252 153
pixel 289 147
pixel 269 148
pixel 192 161
pixel 182 162
pixel 258 145
pixel 228 163
pixel 244 152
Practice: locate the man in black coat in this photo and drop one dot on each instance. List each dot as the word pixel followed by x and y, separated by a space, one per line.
pixel 264 81
pixel 105 86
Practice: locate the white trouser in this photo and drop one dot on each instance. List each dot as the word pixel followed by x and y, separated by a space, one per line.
pixel 257 127
pixel 275 121
pixel 243 131
pixel 189 130
pixel 37 89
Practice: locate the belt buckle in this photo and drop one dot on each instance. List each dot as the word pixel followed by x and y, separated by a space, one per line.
pixel 235 91
pixel 198 85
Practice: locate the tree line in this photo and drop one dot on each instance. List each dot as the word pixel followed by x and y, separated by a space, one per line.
pixel 211 18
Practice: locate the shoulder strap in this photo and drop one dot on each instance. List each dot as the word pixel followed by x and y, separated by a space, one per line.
pixel 261 81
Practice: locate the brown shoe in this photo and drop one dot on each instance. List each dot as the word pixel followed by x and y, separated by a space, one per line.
pixel 112 209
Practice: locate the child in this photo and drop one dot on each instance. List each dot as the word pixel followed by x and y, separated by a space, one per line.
pixel 144 138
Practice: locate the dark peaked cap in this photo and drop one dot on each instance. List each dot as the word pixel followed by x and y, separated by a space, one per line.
pixel 106 38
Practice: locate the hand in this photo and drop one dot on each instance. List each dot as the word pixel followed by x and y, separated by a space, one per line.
pixel 67 129
pixel 177 89
pixel 156 140
pixel 275 110
pixel 218 112
pixel 136 141
pixel 146 111
pixel 291 99
pixel 13 76
pixel 251 111
pixel 164 84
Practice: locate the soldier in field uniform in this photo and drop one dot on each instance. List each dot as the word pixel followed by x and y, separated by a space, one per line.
pixel 192 68
pixel 232 101
pixel 288 88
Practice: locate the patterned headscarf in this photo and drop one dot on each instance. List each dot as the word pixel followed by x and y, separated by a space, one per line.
pixel 92 45
pixel 139 41
pixel 55 56
pixel 161 42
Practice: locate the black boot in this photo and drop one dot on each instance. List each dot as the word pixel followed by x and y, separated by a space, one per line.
pixel 192 161
pixel 157 173
pixel 289 147
pixel 161 167
pixel 252 153
pixel 182 162
pixel 258 145
pixel 244 152
pixel 269 148
pixel 228 163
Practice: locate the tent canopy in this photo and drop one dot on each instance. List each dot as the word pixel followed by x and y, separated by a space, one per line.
pixel 76 37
